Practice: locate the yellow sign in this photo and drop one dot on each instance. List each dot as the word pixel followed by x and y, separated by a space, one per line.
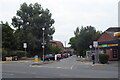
pixel 112 45
pixel 117 34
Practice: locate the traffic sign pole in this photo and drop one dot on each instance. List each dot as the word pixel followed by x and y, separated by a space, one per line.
pixel 95 44
pixel 25 46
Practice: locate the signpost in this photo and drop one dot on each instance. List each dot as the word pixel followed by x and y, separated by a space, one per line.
pixel 95 45
pixel 43 46
pixel 25 46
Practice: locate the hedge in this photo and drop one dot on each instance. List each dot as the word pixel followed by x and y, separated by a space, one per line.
pixel 103 58
pixel 7 52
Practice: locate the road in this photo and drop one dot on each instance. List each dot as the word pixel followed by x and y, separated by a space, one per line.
pixel 65 68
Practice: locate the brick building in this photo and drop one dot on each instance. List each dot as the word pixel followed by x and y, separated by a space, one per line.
pixel 63 49
pixel 108 43
pixel 68 50
pixel 58 43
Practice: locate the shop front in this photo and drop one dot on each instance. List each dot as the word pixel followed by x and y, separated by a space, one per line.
pixel 110 48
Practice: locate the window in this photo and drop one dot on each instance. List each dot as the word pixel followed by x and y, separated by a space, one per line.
pixel 115 53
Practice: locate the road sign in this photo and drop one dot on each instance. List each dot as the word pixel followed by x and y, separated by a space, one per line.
pixel 43 46
pixel 43 43
pixel 90 46
pixel 24 45
pixel 95 44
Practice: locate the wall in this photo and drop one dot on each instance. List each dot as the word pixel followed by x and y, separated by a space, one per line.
pixel 109 52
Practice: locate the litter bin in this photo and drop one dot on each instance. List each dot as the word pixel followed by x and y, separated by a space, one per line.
pixel 15 58
pixel 36 59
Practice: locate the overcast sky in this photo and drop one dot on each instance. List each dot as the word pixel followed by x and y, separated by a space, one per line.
pixel 69 14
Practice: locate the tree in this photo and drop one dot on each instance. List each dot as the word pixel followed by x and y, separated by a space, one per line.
pixel 72 42
pixel 55 49
pixel 8 39
pixel 29 21
pixel 83 38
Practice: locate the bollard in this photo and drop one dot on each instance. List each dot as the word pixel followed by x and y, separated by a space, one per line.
pixel 55 57
pixel 36 59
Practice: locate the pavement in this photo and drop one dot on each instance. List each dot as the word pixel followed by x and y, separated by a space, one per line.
pixel 84 62
pixel 19 61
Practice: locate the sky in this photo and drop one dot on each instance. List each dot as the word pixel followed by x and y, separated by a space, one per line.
pixel 69 14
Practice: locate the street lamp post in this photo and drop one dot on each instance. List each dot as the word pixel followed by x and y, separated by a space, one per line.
pixel 43 43
pixel 90 48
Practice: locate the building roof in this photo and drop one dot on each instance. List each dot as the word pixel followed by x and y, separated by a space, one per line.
pixel 57 43
pixel 108 35
pixel 113 29
pixel 110 31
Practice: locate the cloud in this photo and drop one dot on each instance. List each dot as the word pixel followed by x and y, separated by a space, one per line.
pixel 69 14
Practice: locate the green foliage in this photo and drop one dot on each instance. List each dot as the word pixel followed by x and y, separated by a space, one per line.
pixel 73 42
pixel 8 52
pixel 55 49
pixel 20 53
pixel 4 52
pixel 103 58
pixel 83 38
pixel 8 39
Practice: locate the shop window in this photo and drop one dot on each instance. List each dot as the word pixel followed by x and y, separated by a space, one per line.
pixel 115 53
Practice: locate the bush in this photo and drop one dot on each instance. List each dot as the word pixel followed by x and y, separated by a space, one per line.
pixel 4 52
pixel 103 58
pixel 11 53
pixel 20 53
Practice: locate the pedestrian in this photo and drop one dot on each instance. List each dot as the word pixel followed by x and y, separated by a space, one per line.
pixel 93 58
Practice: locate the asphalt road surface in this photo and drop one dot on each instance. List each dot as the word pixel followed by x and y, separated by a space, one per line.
pixel 65 68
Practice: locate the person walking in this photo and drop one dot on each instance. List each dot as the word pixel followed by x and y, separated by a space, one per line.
pixel 93 58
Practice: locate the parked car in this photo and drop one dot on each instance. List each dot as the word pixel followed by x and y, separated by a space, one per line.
pixel 48 57
pixel 51 56
pixel 64 55
pixel 4 58
pixel 59 56
pixel 15 58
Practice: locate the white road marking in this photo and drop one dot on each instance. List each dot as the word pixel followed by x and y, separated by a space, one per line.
pixel 50 67
pixel 7 74
pixel 73 65
pixel 58 67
